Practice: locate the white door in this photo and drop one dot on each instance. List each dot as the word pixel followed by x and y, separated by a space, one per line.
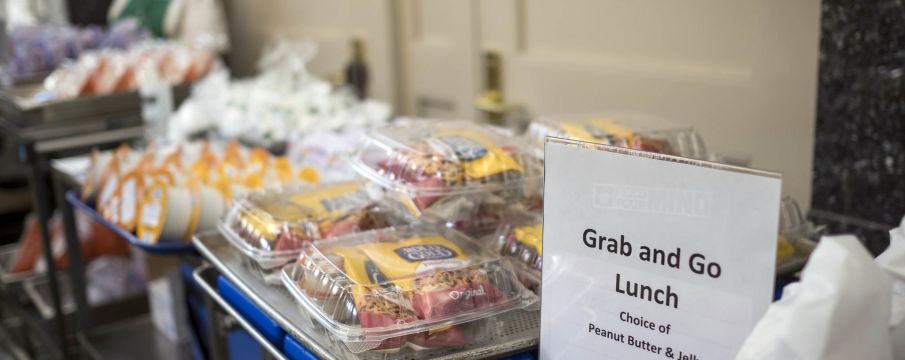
pixel 439 55
pixel 742 72
pixel 332 24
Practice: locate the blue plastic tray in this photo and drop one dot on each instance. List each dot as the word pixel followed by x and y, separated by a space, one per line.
pixel 161 248
pixel 263 323
pixel 523 356
pixel 295 351
pixel 243 346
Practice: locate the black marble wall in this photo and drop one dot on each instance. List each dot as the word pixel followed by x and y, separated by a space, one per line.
pixel 859 156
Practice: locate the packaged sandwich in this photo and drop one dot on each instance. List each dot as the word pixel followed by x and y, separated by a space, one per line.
pixel 270 227
pixel 523 243
pixel 426 162
pixel 629 130
pixel 400 286
pixel 520 239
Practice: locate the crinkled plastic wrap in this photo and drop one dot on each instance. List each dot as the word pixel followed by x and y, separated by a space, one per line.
pixel 793 244
pixel 520 239
pixel 282 100
pixel 839 310
pixel 630 130
pixel 111 70
pixel 326 151
pixel 39 49
pixel 893 261
pixel 271 227
pixel 475 214
pixel 381 290
pixel 431 164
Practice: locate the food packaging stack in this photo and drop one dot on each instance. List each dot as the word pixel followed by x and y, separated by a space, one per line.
pixel 270 228
pixel 439 236
pixel 167 194
pixel 398 259
pixel 36 50
pixel 462 174
pixel 519 239
pixel 625 129
pixel 417 288
pixel 107 71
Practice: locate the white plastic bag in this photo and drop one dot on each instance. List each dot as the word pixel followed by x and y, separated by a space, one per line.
pixel 893 260
pixel 839 310
pixel 283 100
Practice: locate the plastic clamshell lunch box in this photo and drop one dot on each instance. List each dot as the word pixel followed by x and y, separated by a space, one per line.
pixel 384 288
pixel 272 226
pixel 794 244
pixel 426 162
pixel 623 129
pixel 519 238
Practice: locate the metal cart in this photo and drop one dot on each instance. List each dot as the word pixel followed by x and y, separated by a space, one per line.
pixel 42 132
pixel 272 308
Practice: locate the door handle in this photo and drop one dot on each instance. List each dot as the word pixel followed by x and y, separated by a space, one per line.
pixel 492 100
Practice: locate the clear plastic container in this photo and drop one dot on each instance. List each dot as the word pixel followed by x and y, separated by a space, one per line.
pixel 271 227
pixel 791 220
pixel 426 162
pixel 424 345
pixel 381 289
pixel 476 215
pixel 520 238
pixel 625 129
pixel 793 242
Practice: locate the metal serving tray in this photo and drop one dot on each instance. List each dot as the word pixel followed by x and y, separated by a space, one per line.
pixel 521 333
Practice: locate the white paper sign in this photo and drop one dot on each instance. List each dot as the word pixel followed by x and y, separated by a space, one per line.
pixel 653 257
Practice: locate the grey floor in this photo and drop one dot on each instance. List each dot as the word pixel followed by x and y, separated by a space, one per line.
pixel 136 339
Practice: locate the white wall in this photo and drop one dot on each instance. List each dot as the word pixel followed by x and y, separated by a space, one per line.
pixel 332 24
pixel 743 72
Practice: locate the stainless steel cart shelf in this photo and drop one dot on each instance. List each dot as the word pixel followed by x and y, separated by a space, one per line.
pixel 520 333
pixel 206 278
pixel 7 278
pixel 121 339
pixel 17 104
pixel 109 311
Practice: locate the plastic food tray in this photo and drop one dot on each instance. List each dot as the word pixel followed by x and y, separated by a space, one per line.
pixel 271 227
pixel 396 287
pixel 161 248
pixel 427 163
pixel 519 239
pixel 623 129
pixel 519 333
pixel 797 233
